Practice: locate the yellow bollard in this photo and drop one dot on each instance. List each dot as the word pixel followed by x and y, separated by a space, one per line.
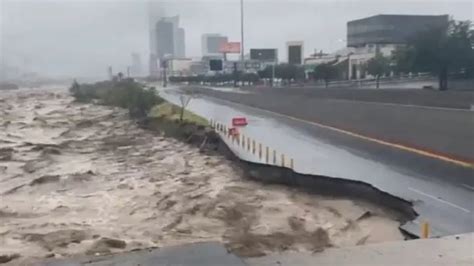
pixel 267 154
pixel 292 164
pixel 282 160
pixel 274 157
pixel 425 230
pixel 248 143
pixel 253 146
pixel 260 151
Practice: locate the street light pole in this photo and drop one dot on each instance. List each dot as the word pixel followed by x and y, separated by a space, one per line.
pixel 273 73
pixel 242 31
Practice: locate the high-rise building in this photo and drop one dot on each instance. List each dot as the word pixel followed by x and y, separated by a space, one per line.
pixel 295 52
pixel 180 43
pixel 136 68
pixel 110 73
pixel 211 44
pixel 170 38
pixel 165 36
pixel 155 13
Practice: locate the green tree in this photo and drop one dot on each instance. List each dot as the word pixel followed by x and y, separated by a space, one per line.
pixel 377 67
pixel 440 51
pixel 288 72
pixel 120 76
pixel 325 72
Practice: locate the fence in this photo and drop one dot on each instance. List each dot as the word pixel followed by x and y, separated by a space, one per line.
pixel 261 152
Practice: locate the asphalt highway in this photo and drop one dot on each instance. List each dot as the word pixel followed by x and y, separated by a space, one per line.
pixel 441 187
pixel 442 132
pixel 417 97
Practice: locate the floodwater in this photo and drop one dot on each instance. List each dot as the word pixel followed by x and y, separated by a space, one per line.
pixel 84 179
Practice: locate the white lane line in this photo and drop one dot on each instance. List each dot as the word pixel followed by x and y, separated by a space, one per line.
pixel 440 200
pixel 468 187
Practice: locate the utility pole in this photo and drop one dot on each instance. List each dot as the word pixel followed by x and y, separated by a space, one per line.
pixel 242 31
pixel 273 73
pixel 165 67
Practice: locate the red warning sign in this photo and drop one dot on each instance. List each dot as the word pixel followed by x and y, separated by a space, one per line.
pixel 239 121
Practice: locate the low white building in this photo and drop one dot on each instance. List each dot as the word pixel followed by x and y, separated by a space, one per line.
pixel 356 58
pixel 179 66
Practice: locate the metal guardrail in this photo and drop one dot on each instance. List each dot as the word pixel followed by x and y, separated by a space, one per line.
pixel 260 152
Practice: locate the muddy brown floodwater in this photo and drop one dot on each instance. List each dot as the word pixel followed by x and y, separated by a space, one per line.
pixel 84 179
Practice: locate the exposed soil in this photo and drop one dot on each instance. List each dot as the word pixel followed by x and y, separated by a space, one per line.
pixel 85 179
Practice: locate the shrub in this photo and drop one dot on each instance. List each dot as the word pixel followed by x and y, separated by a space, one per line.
pixel 124 93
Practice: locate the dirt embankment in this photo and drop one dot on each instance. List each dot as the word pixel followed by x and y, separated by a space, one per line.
pixel 84 179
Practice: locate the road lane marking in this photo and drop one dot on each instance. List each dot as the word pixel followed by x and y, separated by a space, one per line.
pixel 468 187
pixel 357 135
pixel 400 105
pixel 438 199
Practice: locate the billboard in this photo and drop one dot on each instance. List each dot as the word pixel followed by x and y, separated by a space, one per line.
pixel 295 54
pixel 249 65
pixel 215 65
pixel 230 47
pixel 266 55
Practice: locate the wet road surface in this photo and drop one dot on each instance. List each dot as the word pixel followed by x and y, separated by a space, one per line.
pixel 412 97
pixel 439 132
pixel 442 192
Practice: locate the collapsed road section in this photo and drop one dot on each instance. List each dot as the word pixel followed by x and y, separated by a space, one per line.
pixel 84 179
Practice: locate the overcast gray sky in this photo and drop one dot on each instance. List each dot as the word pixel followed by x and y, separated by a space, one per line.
pixel 80 38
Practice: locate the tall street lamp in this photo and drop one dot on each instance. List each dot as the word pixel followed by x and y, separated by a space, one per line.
pixel 242 31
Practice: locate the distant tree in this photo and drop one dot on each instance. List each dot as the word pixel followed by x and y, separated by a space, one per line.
pixel 440 51
pixel 75 87
pixel 249 77
pixel 266 73
pixel 325 72
pixel 288 72
pixel 404 59
pixel 120 76
pixel 377 67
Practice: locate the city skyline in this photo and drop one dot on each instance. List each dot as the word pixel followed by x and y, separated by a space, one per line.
pixel 95 35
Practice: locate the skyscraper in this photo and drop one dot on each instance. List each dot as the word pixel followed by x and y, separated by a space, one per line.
pixel 155 12
pixel 136 69
pixel 170 38
pixel 180 43
pixel 165 39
